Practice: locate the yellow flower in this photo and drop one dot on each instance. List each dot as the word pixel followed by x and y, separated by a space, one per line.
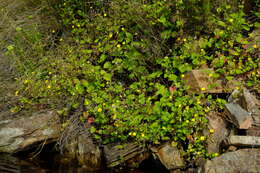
pixel 231 20
pixel 216 154
pixel 105 14
pixel 99 110
pixel 198 102
pixel 202 138
pixel 110 35
pixel 72 26
pixel 16 93
pixel 203 89
pixel 211 130
pixel 48 86
pixel 207 110
pixel 187 121
pixel 114 117
pixel 142 135
pixel 182 75
pixel 184 39
pixel 134 134
pixel 193 120
pixel 53 31
pixel 130 133
pixel 237 88
pixel 210 75
pixel 196 115
pixel 255 46
pixel 118 45
pixel 123 29
pixel 26 81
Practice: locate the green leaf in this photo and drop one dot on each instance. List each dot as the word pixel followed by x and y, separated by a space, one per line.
pixel 107 65
pixel 79 88
pixel 166 34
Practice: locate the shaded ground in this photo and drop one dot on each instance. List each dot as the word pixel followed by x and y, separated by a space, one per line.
pixel 7 86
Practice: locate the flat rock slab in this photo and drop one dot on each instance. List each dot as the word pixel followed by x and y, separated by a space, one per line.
pixel 23 133
pixel 249 141
pixel 201 81
pixel 244 161
pixel 238 116
pixel 254 131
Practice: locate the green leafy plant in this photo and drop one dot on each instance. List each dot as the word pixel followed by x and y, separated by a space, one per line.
pixel 124 63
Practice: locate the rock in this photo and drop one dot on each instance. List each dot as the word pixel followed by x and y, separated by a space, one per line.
pixel 248 101
pixel 256 117
pixel 232 148
pixel 116 154
pixel 238 116
pixel 219 125
pixel 176 171
pixel 88 154
pixel 250 141
pixel 235 97
pixel 83 149
pixel 200 81
pixel 135 161
pixel 24 133
pixel 253 131
pixel 244 160
pixel 169 156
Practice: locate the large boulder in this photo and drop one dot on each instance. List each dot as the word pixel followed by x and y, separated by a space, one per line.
pixel 26 132
pixel 244 160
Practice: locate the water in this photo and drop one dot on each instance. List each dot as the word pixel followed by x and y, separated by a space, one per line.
pixel 52 163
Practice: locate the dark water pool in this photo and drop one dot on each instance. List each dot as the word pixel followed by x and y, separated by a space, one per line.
pixel 50 161
pixel 54 164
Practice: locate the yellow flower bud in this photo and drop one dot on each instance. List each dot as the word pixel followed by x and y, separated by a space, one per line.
pixel 202 138
pixel 211 130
